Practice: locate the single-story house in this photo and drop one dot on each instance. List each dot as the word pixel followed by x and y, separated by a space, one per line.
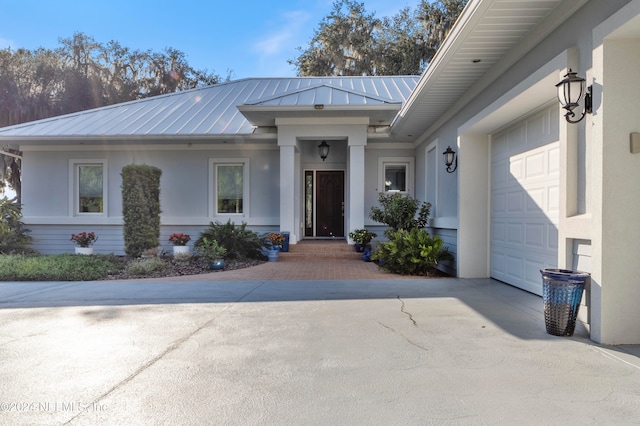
pixel 529 188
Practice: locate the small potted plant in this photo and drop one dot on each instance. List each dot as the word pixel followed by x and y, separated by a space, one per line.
pixel 179 242
pixel 213 252
pixel 276 240
pixel 84 241
pixel 361 238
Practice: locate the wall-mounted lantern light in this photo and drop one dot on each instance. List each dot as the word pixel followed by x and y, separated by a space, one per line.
pixel 323 150
pixel 449 158
pixel 570 91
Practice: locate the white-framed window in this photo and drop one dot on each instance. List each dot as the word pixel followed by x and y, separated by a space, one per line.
pixel 229 178
pixel 89 180
pixel 396 174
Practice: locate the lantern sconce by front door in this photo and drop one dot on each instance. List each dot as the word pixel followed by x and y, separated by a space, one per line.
pixel 449 158
pixel 570 91
pixel 323 150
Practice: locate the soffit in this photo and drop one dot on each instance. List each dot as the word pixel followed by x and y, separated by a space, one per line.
pixel 485 40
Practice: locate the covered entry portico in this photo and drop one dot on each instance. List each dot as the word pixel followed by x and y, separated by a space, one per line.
pixel 297 140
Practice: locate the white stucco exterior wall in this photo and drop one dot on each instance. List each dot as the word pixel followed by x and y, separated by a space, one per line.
pixel 616 171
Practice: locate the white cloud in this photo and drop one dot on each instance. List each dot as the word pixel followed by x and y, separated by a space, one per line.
pixel 271 52
pixel 4 43
pixel 291 25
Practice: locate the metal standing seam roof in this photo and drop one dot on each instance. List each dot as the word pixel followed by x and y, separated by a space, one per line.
pixel 213 110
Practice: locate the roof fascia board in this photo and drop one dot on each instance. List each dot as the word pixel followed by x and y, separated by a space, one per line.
pixel 19 140
pixel 293 108
pixel 231 146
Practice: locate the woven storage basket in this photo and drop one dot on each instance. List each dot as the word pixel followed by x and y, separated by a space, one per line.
pixel 562 292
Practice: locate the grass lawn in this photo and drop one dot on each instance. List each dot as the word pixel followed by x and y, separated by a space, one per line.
pixel 61 267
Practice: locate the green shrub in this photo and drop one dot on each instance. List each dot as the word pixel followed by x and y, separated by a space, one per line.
pixel 62 267
pixel 13 238
pixel 362 236
pixel 146 266
pixel 210 250
pixel 399 211
pixel 140 208
pixel 237 240
pixel 412 252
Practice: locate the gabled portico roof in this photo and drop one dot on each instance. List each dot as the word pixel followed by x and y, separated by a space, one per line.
pixel 322 100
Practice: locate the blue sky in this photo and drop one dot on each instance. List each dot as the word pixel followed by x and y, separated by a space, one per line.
pixel 251 38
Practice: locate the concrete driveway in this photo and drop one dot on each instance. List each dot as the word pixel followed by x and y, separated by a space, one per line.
pixel 370 352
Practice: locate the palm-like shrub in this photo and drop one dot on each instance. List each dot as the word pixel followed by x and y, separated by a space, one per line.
pixel 412 252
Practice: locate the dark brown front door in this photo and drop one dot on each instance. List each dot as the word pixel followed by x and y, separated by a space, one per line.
pixel 329 204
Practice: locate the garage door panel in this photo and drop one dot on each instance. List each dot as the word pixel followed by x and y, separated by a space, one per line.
pixel 500 147
pixel 552 232
pixel 500 174
pixel 515 233
pixel 554 160
pixel 525 200
pixel 515 202
pixel 536 165
pixel 498 232
pixel 536 235
pixel 553 197
pixel 516 171
pixel 499 203
pixel 536 200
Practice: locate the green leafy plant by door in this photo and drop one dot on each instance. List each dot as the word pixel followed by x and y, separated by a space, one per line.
pixel 399 211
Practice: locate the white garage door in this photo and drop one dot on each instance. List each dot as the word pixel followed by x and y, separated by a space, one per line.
pixel 525 200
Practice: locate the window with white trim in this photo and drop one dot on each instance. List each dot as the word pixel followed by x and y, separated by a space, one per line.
pixel 89 184
pixel 230 183
pixel 396 174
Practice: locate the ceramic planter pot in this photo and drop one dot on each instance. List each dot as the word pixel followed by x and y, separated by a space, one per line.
pixel 181 250
pixel 84 250
pixel 273 255
pixel 217 265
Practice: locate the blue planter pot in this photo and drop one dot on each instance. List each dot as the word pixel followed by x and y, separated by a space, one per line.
pixel 273 255
pixel 217 265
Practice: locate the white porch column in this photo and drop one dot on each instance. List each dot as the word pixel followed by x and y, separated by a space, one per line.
pixel 287 188
pixel 356 210
pixel 473 206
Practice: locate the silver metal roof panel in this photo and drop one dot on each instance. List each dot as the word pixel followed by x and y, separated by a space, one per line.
pixel 213 110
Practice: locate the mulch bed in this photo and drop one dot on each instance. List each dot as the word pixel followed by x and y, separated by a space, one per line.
pixel 176 268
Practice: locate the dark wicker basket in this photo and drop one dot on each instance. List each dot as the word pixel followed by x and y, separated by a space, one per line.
pixel 562 292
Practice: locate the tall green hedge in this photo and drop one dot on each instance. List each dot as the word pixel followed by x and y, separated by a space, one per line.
pixel 141 208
